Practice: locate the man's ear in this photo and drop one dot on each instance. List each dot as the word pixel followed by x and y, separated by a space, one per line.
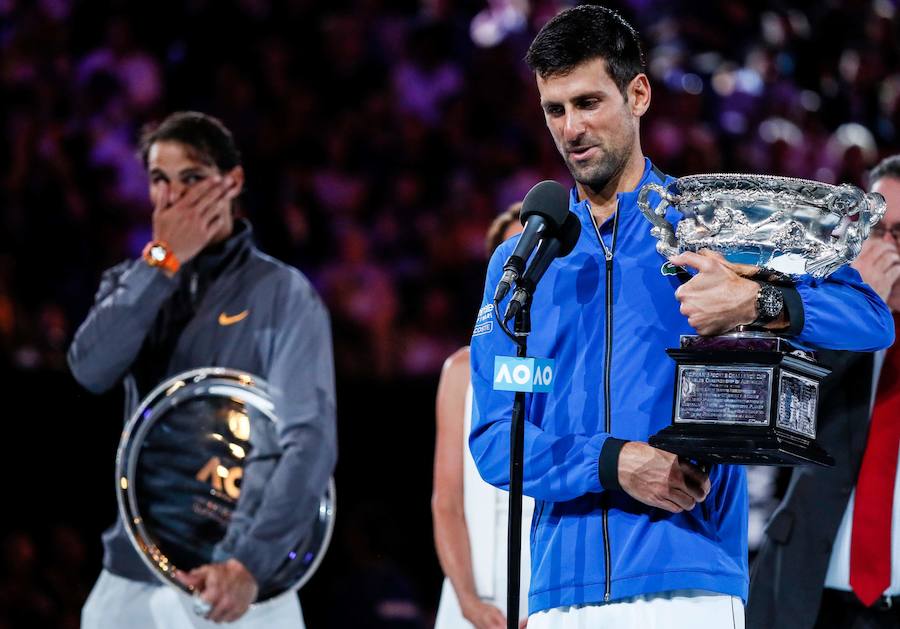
pixel 639 95
pixel 237 173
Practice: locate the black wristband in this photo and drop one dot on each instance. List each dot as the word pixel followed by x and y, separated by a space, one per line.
pixel 608 468
pixel 793 310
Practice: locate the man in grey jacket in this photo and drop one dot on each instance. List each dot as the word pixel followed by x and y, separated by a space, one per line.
pixel 203 295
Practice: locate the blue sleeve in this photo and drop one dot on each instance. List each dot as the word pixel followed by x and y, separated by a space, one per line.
pixel 556 467
pixel 842 312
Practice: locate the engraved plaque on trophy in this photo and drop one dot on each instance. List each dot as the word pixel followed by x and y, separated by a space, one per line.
pixel 750 397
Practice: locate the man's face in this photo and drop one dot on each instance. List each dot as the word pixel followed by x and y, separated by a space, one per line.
pixel 173 169
pixel 890 188
pixel 593 125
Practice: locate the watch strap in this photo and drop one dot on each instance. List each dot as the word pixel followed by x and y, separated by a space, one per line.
pixel 168 262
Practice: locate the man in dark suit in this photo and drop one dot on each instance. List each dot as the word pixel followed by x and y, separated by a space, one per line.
pixel 829 558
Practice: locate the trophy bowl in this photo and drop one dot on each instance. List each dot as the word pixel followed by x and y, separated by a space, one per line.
pixel 750 397
pixel 790 226
pixel 187 452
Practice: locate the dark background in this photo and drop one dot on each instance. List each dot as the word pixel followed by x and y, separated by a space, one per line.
pixel 379 141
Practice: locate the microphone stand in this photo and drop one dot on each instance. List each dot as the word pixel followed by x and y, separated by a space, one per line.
pixel 521 330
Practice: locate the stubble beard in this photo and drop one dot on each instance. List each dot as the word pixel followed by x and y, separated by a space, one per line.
pixel 597 174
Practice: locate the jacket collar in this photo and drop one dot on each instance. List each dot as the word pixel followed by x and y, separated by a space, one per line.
pixel 215 258
pixel 626 199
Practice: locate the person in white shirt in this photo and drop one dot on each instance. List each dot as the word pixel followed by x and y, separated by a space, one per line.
pixel 470 516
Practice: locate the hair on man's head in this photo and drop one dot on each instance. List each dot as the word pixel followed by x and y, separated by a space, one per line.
pixel 204 136
pixel 585 33
pixel 888 167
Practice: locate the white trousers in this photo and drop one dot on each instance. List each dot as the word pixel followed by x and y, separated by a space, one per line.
pixel 681 609
pixel 117 603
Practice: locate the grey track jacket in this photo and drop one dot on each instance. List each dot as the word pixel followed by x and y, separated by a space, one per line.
pixel 145 327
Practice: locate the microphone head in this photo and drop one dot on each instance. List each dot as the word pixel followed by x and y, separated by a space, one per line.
pixel 548 199
pixel 568 235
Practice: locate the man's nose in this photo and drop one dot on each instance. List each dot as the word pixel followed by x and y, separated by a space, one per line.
pixel 573 128
pixel 174 192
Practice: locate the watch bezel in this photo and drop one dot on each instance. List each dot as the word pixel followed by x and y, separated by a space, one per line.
pixel 769 303
pixel 158 253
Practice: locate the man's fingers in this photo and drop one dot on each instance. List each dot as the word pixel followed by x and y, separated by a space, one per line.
pixel 213 223
pixel 893 272
pixel 682 498
pixel 197 577
pixel 222 610
pixel 696 488
pixel 187 579
pixel 162 197
pixel 213 198
pixel 197 192
pixel 215 597
pixel 669 505
pixel 693 260
pixel 889 260
pixel 233 613
pixel 694 471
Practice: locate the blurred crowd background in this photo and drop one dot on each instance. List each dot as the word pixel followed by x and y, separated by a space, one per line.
pixel 380 139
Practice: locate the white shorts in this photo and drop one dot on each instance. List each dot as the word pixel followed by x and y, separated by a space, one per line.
pixel 679 609
pixel 116 602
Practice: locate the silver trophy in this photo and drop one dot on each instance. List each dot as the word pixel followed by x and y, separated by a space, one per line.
pixel 191 447
pixel 749 397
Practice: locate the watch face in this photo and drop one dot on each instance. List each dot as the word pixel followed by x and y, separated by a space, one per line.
pixel 770 303
pixel 158 253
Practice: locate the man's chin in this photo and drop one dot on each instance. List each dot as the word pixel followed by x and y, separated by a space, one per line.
pixel 586 176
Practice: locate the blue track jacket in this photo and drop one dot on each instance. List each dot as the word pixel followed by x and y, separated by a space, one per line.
pixel 606 314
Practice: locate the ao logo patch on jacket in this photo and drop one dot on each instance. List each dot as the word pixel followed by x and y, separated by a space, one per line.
pixel 485 321
pixel 530 375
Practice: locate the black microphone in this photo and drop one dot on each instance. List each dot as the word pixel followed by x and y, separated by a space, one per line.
pixel 551 248
pixel 543 212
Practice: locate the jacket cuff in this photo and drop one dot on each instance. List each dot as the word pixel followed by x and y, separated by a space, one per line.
pixel 793 306
pixel 253 562
pixel 608 468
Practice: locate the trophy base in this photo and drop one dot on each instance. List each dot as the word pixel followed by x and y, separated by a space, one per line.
pixel 747 398
pixel 740 448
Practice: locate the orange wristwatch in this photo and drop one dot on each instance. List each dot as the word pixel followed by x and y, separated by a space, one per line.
pixel 158 254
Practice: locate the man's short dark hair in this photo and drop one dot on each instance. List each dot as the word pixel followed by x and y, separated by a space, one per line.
pixel 206 137
pixel 585 33
pixel 888 167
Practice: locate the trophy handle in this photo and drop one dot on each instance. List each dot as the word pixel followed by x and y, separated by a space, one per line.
pixel 662 229
pixel 876 206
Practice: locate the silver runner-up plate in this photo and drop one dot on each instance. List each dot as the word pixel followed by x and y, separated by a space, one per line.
pixel 191 466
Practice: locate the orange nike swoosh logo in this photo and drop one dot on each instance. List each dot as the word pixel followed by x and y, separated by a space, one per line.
pixel 225 319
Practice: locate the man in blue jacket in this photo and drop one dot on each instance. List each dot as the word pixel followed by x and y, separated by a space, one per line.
pixel 625 534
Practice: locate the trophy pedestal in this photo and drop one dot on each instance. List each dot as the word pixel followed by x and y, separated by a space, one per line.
pixel 747 398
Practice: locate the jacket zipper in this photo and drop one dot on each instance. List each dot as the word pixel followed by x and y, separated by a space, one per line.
pixel 607 360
